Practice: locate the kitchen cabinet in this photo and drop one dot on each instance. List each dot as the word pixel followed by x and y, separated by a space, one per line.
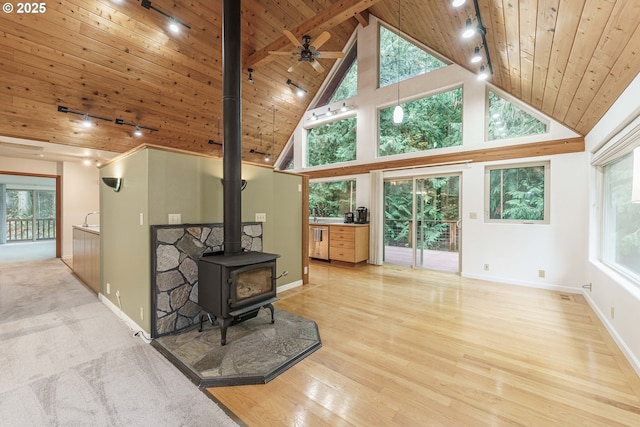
pixel 349 242
pixel 86 256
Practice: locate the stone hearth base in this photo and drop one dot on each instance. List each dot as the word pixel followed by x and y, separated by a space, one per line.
pixel 256 351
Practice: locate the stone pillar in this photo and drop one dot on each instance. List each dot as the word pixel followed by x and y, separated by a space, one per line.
pixel 3 214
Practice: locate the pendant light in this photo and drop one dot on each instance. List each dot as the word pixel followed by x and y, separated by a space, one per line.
pixel 398 112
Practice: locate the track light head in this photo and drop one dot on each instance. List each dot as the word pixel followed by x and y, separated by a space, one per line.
pixel 477 57
pixel 469 30
pixel 457 3
pixel 250 79
pixel 483 75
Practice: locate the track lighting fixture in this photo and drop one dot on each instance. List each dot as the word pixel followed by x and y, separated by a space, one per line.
pixel 86 117
pixel 174 24
pixel 483 75
pixel 469 31
pixel 300 91
pixel 250 79
pixel 138 127
pixel 457 3
pixel 476 55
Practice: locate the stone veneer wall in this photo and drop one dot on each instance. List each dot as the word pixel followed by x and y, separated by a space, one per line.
pixel 176 250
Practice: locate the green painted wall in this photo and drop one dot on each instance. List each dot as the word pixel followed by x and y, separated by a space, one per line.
pixel 125 243
pixel 158 183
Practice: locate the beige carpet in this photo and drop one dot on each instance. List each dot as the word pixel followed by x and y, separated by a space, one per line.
pixel 67 360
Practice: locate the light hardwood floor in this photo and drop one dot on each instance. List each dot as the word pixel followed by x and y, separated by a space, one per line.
pixel 406 347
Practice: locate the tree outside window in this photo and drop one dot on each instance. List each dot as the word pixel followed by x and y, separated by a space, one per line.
pixel 508 121
pixel 332 199
pixel 518 193
pixel 333 142
pixel 429 123
pixel 400 59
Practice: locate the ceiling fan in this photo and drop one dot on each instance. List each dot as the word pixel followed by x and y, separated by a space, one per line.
pixel 308 52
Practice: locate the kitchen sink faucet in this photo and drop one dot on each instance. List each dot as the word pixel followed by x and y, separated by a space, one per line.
pixel 85 224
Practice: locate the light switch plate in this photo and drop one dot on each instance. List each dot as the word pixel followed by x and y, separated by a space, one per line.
pixel 175 218
pixel 261 217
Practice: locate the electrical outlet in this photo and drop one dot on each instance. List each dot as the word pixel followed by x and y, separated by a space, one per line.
pixel 473 215
pixel 261 217
pixel 486 267
pixel 306 269
pixel 613 312
pixel 141 313
pixel 108 288
pixel 541 273
pixel 175 218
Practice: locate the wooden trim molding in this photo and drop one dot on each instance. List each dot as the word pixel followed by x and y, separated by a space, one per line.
pixel 546 148
pixel 305 229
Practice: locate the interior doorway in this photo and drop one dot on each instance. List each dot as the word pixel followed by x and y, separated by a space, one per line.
pixel 422 226
pixel 29 216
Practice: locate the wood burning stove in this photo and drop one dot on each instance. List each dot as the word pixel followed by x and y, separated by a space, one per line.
pixel 234 288
pixel 234 285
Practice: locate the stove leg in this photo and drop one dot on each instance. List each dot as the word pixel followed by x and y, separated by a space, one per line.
pixel 223 330
pixel 270 307
pixel 201 319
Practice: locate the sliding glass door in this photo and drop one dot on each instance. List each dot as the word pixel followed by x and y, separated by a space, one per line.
pixel 422 222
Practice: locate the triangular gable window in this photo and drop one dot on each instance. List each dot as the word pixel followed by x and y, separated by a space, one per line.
pixel 508 121
pixel 401 59
pixel 344 83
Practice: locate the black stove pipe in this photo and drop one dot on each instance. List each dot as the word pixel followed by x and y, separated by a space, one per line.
pixel 232 126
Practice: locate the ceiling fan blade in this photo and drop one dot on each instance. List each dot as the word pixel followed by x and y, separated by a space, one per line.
pixel 292 38
pixel 330 54
pixel 294 66
pixel 316 65
pixel 322 39
pixel 276 52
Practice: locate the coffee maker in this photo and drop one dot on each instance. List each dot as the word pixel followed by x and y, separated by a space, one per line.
pixel 348 218
pixel 361 215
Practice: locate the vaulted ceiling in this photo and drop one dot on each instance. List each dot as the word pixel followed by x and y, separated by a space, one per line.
pixel 571 59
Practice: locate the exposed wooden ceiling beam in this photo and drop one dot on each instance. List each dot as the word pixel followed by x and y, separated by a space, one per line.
pixel 325 20
pixel 362 18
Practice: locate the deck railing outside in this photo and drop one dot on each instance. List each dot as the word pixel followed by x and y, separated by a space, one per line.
pixel 440 235
pixel 30 229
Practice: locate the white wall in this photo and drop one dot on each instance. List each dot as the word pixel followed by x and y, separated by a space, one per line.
pixel 610 289
pixel 80 195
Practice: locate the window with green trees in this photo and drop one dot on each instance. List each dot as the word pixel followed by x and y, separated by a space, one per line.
pixel 508 121
pixel 401 59
pixel 348 87
pixel 620 219
pixel 518 193
pixel 332 142
pixel 31 215
pixel 332 199
pixel 432 122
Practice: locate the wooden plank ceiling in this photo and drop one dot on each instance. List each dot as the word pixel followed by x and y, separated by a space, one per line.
pixel 571 59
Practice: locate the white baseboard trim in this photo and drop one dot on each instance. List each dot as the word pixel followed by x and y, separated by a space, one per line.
pixel 137 329
pixel 546 286
pixel 289 286
pixel 635 363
